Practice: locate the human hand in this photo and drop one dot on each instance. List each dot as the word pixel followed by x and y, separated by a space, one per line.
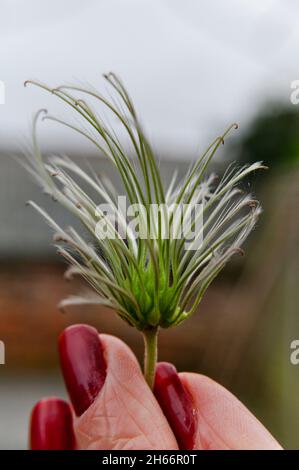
pixel 113 407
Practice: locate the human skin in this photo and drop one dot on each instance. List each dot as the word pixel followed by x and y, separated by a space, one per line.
pixel 113 407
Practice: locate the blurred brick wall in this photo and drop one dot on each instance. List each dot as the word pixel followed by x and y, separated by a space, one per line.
pixel 30 321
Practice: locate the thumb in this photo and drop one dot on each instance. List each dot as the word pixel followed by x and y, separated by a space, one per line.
pixel 115 408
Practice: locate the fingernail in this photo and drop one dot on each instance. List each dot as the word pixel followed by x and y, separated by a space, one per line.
pixel 176 404
pixel 83 365
pixel 51 426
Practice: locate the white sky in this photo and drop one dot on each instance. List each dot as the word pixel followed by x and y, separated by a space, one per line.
pixel 191 66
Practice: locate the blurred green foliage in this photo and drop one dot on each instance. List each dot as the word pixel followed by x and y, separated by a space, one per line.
pixel 272 136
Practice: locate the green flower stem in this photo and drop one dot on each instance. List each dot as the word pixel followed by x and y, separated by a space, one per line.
pixel 150 337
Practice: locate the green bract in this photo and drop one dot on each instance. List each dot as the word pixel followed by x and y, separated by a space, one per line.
pixel 150 281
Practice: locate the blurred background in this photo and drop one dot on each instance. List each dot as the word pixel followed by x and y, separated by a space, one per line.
pixel 192 69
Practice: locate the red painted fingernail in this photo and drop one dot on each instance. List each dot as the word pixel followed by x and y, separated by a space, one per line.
pixel 51 426
pixel 83 365
pixel 176 404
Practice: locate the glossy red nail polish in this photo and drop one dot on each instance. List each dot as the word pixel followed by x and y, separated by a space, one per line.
pixel 176 404
pixel 83 365
pixel 51 426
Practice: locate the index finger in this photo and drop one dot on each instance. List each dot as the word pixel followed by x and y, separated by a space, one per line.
pixel 223 422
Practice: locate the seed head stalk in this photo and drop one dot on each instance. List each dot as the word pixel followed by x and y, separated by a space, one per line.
pixel 150 337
